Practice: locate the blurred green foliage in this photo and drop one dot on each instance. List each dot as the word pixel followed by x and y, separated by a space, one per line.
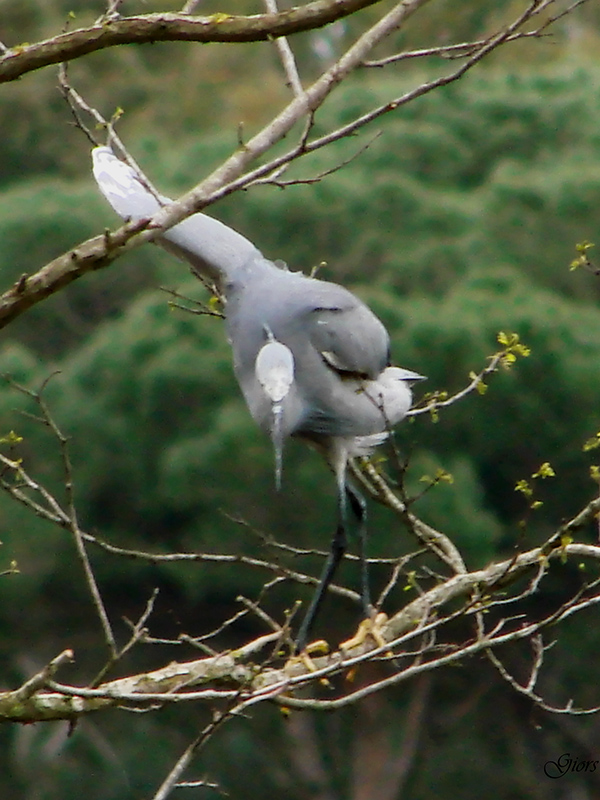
pixel 460 220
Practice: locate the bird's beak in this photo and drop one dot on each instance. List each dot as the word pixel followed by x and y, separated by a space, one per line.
pixel 411 377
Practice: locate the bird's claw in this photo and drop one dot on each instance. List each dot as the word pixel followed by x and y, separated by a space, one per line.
pixel 318 647
pixel 372 626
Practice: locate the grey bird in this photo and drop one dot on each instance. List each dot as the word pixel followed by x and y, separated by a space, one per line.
pixel 311 359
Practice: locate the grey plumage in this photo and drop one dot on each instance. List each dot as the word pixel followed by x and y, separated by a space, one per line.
pixel 311 359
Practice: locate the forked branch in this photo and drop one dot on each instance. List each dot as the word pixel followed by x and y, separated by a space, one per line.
pixel 233 173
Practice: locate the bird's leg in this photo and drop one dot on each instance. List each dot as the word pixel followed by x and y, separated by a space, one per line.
pixel 336 553
pixel 374 622
pixel 359 508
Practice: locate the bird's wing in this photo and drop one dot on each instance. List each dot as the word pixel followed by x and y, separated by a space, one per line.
pixel 348 335
pixel 214 250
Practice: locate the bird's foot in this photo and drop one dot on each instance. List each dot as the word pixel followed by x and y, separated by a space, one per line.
pixel 304 657
pixel 370 627
pixel 318 647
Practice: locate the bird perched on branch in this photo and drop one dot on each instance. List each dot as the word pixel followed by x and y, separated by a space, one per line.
pixel 311 359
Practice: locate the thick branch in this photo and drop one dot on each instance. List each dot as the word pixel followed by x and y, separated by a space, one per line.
pixel 221 182
pixel 90 255
pixel 170 683
pixel 229 675
pixel 174 28
pixel 230 175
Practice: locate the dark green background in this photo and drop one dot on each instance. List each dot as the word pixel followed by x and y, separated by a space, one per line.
pixel 459 220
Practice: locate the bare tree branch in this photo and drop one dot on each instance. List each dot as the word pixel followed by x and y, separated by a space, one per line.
pixel 237 677
pixel 40 679
pixel 437 542
pixel 231 176
pixel 23 58
pixel 101 251
pixel 420 634
pixel 463 49
pixel 286 55
pixel 90 255
pixel 49 508
pixel 68 518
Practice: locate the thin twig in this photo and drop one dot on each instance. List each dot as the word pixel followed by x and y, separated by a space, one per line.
pixel 433 539
pixel 231 175
pixel 71 512
pixel 40 679
pixel 286 55
pixel 172 779
pixel 450 51
pixel 203 783
pixel 138 634
pixel 55 514
pixel 190 6
pixel 298 552
pixel 256 609
pixel 435 403
pixel 75 102
pixel 111 12
pixel 528 690
pixel 275 180
pixel 202 309
pixel 398 569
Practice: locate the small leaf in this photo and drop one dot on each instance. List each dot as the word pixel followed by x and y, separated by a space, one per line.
pixel 522 350
pixel 565 539
pixel 410 581
pixel 11 438
pixel 524 487
pixel 545 471
pixel 442 476
pixel 592 443
pixel 480 386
